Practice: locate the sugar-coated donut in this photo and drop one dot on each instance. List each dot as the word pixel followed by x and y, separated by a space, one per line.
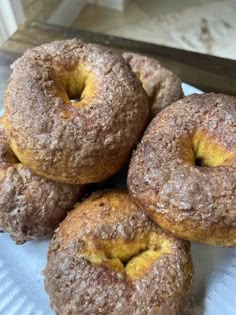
pixel 74 142
pixel 183 173
pixel 107 257
pixel 31 207
pixel 162 86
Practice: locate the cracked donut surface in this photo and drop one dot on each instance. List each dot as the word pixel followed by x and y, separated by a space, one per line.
pixel 108 257
pixel 183 173
pixel 74 111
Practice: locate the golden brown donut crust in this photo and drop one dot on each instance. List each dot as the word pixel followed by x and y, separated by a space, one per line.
pixel 193 202
pixel 31 207
pixel 163 87
pixel 81 142
pixel 80 280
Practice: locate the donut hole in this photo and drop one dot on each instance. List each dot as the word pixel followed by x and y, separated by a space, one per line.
pixel 132 257
pixel 198 162
pixel 75 86
pixel 208 153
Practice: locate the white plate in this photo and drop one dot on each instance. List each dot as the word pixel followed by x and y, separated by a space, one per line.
pixel 21 283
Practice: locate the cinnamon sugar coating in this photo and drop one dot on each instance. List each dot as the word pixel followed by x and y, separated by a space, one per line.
pixel 74 142
pixel 80 283
pixel 193 202
pixel 31 207
pixel 163 87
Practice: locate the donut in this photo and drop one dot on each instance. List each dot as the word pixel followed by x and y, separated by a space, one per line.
pixel 163 87
pixel 108 257
pixel 183 173
pixel 31 207
pixel 74 111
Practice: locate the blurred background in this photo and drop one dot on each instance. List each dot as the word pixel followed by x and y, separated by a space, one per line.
pixel 207 26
